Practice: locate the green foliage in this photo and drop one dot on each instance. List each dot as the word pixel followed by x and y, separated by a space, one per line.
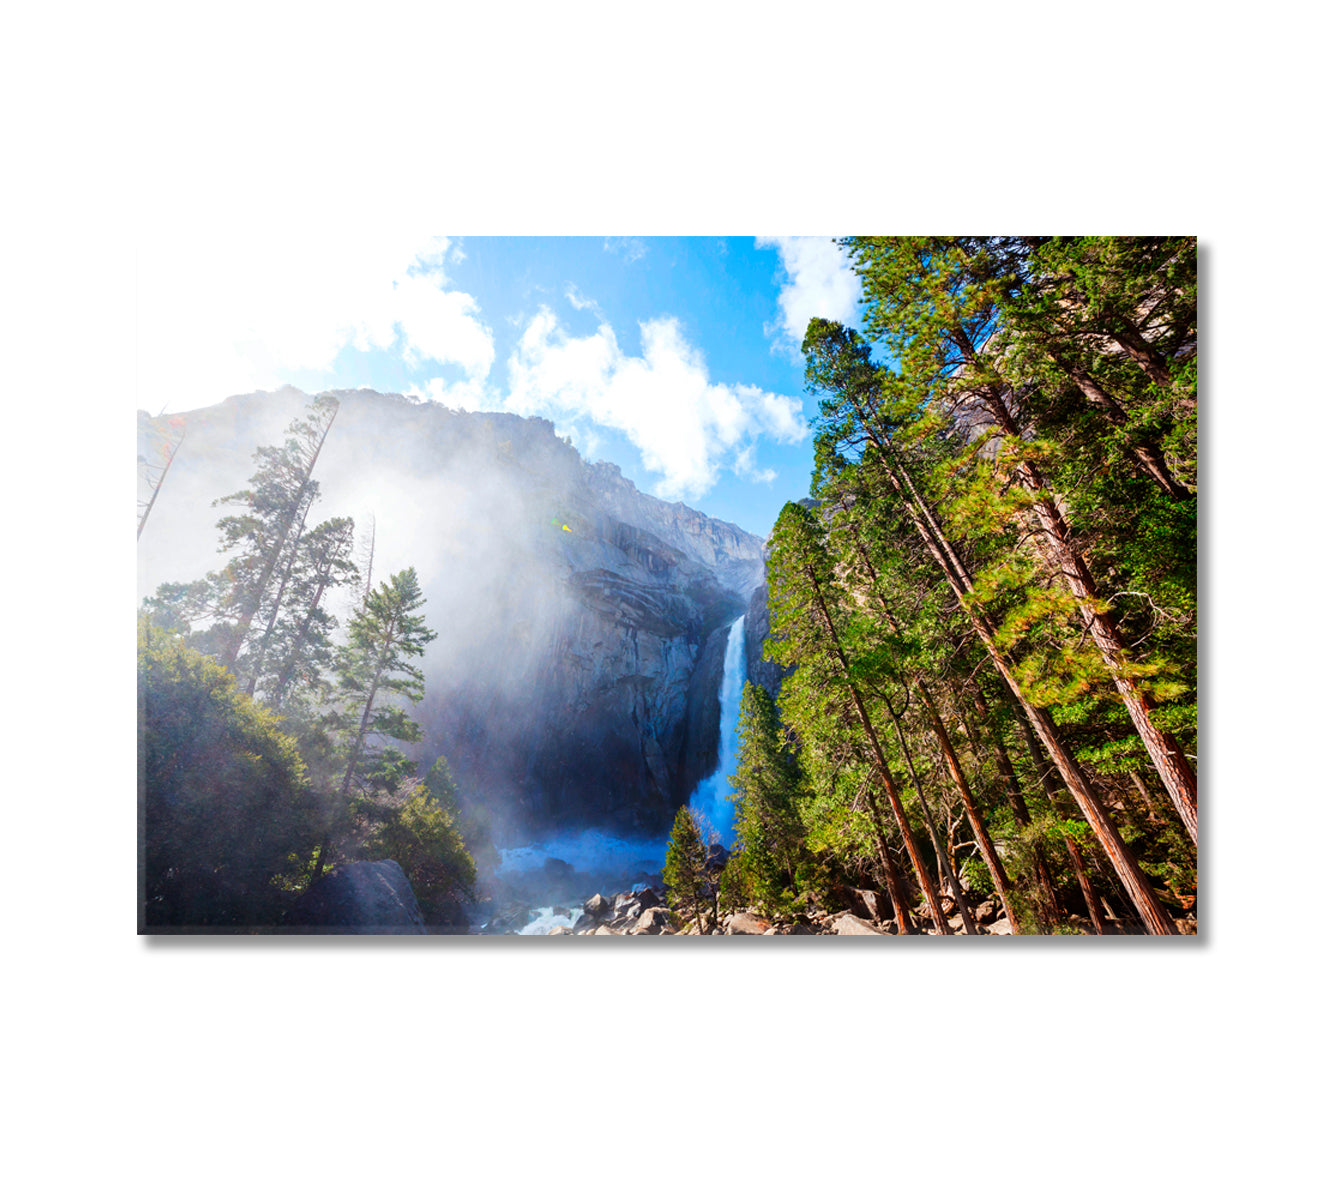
pixel 424 839
pixel 385 637
pixel 1034 408
pixel 685 871
pixel 770 851
pixel 224 802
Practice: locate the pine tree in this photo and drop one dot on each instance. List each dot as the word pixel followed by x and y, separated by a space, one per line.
pixel 881 430
pixel 769 854
pixel 685 871
pixel 376 666
pixel 803 601
pixel 384 637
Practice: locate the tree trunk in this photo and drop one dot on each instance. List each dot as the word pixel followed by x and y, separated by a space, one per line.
pixel 294 544
pixel 1176 773
pixel 1151 912
pixel 1148 359
pixel 1049 907
pixel 942 851
pixel 1072 850
pixel 882 766
pixel 247 616
pixel 1127 869
pixel 1147 452
pixel 999 880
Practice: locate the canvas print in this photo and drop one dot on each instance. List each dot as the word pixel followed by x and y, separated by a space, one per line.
pixel 673 587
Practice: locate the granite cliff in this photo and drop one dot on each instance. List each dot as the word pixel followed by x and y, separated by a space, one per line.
pixel 581 623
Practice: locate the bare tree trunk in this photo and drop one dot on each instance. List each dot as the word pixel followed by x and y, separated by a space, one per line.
pixel 170 454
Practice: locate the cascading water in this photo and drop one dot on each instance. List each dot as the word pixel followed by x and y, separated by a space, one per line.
pixel 711 797
pixel 604 862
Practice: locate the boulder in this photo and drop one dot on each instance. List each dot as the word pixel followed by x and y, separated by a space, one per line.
pixel 597 906
pixel 1001 926
pixel 510 919
pixel 654 920
pixel 361 897
pixel 987 910
pixel 745 923
pixel 848 923
pixel 869 904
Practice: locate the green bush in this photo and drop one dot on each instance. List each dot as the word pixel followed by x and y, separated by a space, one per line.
pixel 223 801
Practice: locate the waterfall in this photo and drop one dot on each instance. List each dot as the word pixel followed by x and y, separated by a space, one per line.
pixel 711 798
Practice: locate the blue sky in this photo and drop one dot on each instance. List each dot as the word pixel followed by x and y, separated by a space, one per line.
pixel 675 358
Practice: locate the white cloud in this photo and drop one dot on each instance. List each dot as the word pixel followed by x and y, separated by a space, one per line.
pixel 580 301
pixel 684 427
pixel 216 318
pixel 820 283
pixel 629 248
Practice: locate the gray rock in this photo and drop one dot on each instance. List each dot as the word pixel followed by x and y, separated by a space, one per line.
pixel 653 920
pixel 717 856
pixel 744 923
pixel 361 897
pixel 868 904
pixel 847 923
pixel 1001 926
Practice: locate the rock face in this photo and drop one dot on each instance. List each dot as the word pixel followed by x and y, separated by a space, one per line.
pixel 759 671
pixel 361 897
pixel 581 624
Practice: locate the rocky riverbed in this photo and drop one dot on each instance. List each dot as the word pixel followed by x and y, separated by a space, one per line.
pixel 643 911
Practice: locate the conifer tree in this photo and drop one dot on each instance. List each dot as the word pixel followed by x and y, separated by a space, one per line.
pixel 685 871
pixel 265 533
pixel 805 634
pixel 385 636
pixel 934 301
pixel 881 429
pixel 769 853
